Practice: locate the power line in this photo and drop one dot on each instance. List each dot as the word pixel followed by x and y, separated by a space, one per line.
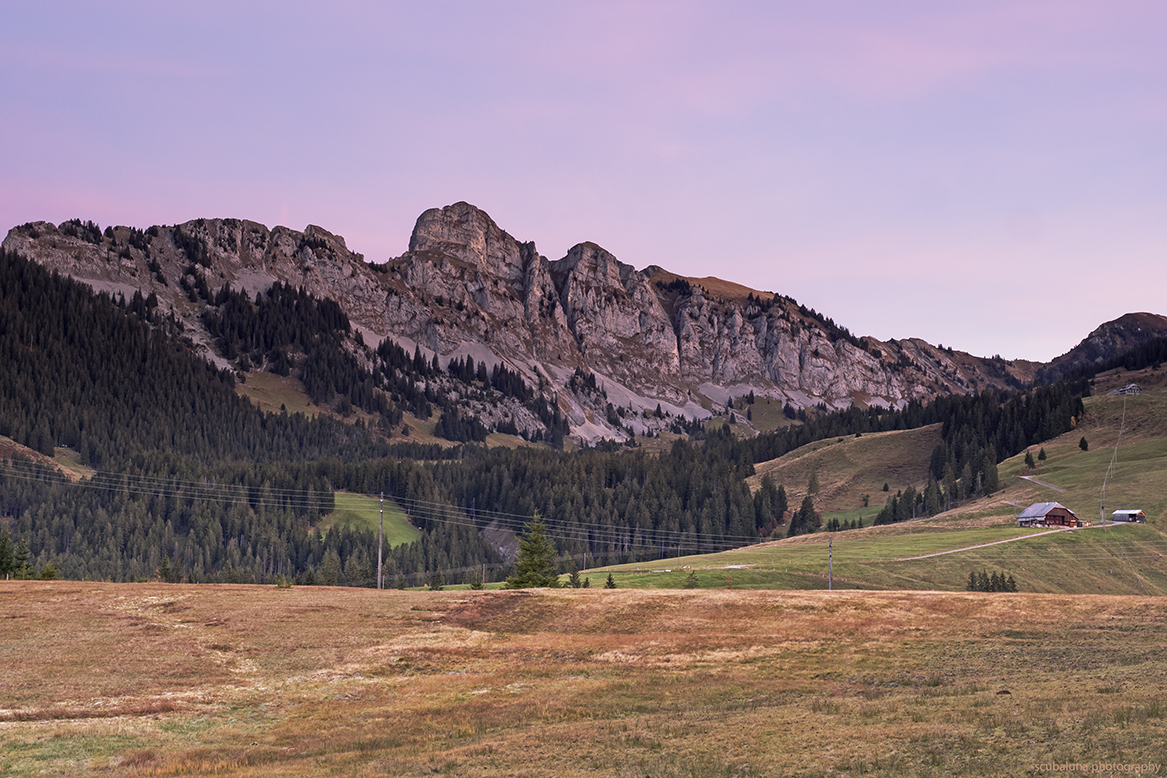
pixel 264 496
pixel 443 513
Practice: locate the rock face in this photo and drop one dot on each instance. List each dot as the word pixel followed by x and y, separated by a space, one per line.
pixel 467 287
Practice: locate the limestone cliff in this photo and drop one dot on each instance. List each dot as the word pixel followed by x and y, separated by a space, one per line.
pixel 466 287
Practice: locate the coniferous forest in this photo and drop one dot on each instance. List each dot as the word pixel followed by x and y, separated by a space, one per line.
pixel 195 483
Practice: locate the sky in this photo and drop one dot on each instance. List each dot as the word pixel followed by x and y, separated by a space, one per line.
pixel 990 176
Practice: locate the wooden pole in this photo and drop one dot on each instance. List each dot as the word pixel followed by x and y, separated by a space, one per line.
pixel 380 540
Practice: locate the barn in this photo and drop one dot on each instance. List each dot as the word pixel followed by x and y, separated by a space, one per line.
pixel 1047 514
pixel 1129 516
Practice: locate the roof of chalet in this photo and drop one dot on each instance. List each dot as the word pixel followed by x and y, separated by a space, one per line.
pixel 1040 510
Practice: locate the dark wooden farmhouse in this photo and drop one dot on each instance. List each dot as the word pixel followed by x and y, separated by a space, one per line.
pixel 1048 514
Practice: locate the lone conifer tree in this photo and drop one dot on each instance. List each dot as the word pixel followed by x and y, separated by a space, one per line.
pixel 7 554
pixel 535 564
pixel 22 570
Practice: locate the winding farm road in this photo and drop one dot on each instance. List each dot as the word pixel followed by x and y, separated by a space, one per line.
pixel 983 545
pixel 1042 483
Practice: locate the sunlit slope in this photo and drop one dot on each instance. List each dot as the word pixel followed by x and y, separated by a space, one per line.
pixel 1139 478
pixel 1113 560
pixel 847 468
pixel 1116 560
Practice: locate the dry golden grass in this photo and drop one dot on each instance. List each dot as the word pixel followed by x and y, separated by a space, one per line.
pixel 850 467
pixel 150 679
pixel 274 393
pixel 10 449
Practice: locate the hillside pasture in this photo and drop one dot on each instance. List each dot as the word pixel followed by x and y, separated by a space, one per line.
pixel 168 680
pixel 1075 477
pixel 915 555
pixel 275 394
pixel 849 467
pixel 362 513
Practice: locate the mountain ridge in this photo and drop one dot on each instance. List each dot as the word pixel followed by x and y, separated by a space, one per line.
pixel 467 288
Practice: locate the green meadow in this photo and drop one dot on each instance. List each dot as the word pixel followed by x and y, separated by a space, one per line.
pixel 358 512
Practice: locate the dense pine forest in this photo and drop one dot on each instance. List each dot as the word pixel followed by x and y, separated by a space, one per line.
pixel 195 483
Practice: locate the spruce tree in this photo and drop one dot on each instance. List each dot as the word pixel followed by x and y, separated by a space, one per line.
pixel 805 520
pixel 610 583
pixel 164 572
pixel 7 554
pixel 691 580
pixel 22 570
pixel 535 564
pixel 991 480
pixel 573 579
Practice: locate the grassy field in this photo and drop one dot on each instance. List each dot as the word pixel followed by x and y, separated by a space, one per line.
pixel 765 414
pixel 847 468
pixel 157 680
pixel 1117 560
pixel 274 393
pixel 70 462
pixel 758 672
pixel 357 511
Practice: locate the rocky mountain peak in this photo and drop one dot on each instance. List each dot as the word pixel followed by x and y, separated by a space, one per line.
pixel 466 232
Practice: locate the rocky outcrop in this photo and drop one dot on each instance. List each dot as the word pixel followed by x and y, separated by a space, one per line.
pixel 467 287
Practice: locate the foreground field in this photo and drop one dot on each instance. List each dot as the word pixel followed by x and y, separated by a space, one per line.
pixel 149 679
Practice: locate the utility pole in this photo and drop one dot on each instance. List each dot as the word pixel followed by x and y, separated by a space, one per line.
pixel 830 564
pixel 380 539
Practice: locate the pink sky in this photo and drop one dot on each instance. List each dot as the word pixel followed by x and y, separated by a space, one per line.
pixel 991 176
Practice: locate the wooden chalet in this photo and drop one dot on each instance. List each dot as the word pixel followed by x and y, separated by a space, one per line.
pixel 1048 514
pixel 1129 516
pixel 1128 389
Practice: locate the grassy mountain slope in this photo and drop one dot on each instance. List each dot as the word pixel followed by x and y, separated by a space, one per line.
pixel 847 468
pixel 1112 560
